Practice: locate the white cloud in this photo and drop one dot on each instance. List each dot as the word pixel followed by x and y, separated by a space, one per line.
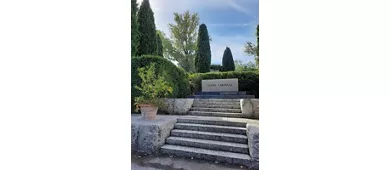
pixel 238 7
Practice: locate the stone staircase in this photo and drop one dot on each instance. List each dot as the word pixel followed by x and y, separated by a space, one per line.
pixel 209 139
pixel 222 95
pixel 216 108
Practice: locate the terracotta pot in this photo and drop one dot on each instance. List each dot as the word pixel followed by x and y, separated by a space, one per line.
pixel 148 111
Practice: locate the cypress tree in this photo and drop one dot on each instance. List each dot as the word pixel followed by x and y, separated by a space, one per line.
pixel 227 60
pixel 203 52
pixel 147 30
pixel 159 46
pixel 257 52
pixel 134 28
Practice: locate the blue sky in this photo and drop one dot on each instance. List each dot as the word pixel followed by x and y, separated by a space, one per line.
pixel 230 22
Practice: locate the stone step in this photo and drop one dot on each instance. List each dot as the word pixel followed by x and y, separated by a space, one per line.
pixel 215 103
pixel 217 100
pixel 216 114
pixel 226 137
pixel 207 154
pixel 211 128
pixel 223 96
pixel 222 93
pixel 216 110
pixel 209 144
pixel 211 122
pixel 227 106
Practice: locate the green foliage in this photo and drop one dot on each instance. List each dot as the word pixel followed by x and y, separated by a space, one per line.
pixel 159 46
pixel 203 52
pixel 247 80
pixel 216 67
pixel 241 66
pixel 134 28
pixel 227 60
pixel 167 49
pixel 184 36
pixel 153 87
pixel 257 34
pixel 147 30
pixel 176 77
pixel 252 49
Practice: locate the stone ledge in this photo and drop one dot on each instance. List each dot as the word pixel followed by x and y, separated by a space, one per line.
pixel 148 136
pixel 177 106
pixel 253 143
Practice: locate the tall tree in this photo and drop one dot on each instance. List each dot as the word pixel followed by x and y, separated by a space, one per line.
pixel 203 52
pixel 159 46
pixel 227 60
pixel 167 49
pixel 241 66
pixel 147 30
pixel 252 49
pixel 134 28
pixel 184 35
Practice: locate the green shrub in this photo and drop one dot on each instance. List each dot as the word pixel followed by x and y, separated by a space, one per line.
pixel 247 80
pixel 153 87
pixel 176 77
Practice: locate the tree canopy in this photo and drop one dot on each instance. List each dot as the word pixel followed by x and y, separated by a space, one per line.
pixel 227 60
pixel 147 30
pixel 184 36
pixel 203 52
pixel 252 49
pixel 134 28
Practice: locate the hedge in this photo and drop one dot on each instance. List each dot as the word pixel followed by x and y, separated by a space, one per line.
pixel 247 80
pixel 176 77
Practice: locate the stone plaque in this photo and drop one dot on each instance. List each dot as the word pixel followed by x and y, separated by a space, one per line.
pixel 219 85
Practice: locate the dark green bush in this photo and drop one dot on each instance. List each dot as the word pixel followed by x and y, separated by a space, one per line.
pixel 216 67
pixel 227 60
pixel 176 77
pixel 247 80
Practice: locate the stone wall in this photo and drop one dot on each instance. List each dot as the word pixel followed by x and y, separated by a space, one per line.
pixel 255 106
pixel 177 106
pixel 253 143
pixel 250 107
pixel 148 136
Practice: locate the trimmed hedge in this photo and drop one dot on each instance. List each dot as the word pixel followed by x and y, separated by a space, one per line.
pixel 247 80
pixel 176 77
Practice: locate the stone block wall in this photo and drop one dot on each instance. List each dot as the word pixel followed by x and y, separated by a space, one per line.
pixel 148 136
pixel 253 143
pixel 250 107
pixel 177 106
pixel 255 106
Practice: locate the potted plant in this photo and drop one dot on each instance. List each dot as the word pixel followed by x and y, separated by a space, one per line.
pixel 152 88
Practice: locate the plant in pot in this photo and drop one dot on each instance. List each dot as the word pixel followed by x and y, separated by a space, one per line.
pixel 152 88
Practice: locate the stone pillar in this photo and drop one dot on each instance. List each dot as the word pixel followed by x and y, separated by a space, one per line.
pixel 246 108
